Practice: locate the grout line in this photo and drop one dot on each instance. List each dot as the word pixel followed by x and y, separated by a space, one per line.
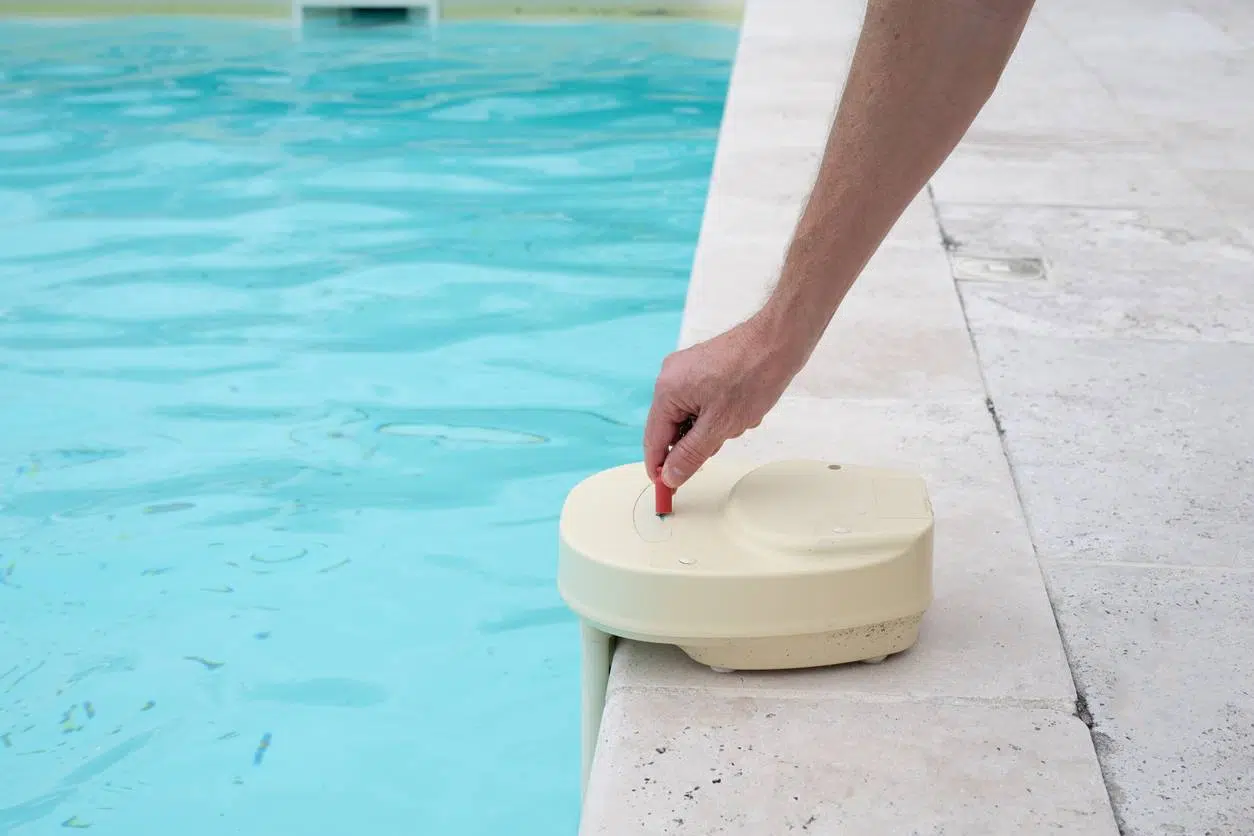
pixel 963 398
pixel 1081 710
pixel 1075 337
pixel 997 423
pixel 1205 568
pixel 1055 706
pixel 1086 207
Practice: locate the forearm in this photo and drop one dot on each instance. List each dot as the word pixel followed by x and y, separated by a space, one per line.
pixel 921 72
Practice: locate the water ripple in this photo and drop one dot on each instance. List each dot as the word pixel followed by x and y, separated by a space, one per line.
pixel 302 343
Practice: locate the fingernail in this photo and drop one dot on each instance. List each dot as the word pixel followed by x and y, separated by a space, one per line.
pixel 672 476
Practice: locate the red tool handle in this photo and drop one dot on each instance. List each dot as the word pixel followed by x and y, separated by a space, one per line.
pixel 663 498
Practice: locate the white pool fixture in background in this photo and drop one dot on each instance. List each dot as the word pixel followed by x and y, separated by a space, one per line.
pixel 420 12
pixel 796 564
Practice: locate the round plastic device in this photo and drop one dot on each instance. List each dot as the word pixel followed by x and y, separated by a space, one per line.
pixel 789 565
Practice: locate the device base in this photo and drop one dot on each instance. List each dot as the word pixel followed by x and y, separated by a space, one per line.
pixel 816 650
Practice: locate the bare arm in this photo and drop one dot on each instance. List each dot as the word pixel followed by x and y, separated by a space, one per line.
pixel 921 72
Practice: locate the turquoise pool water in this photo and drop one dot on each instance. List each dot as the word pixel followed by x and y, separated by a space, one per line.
pixel 301 345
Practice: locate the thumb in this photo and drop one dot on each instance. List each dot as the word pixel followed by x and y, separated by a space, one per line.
pixel 690 452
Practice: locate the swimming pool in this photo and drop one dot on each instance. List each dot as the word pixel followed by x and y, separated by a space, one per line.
pixel 301 345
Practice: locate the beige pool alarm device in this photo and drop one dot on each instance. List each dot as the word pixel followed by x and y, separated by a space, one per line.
pixel 795 564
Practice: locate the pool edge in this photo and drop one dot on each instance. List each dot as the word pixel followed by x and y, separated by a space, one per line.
pixel 907 744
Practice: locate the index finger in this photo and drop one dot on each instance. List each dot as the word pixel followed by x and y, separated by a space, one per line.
pixel 660 431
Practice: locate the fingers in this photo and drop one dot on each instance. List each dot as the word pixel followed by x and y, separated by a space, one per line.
pixel 660 431
pixel 691 451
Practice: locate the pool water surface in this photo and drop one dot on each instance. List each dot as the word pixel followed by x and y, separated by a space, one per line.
pixel 302 343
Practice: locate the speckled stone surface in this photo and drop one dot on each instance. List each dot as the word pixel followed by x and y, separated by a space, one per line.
pixel 1162 656
pixel 1130 451
pixel 1122 380
pixel 764 765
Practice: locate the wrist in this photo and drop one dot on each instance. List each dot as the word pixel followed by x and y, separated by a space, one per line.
pixel 787 338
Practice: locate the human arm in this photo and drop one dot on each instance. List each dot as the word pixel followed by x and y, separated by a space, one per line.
pixel 921 72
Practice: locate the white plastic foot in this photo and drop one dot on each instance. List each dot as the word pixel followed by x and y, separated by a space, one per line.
pixel 717 669
pixel 874 660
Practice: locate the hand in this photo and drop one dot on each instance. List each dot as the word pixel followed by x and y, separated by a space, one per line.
pixel 724 386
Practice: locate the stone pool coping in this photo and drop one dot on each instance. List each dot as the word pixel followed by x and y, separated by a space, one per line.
pixel 976 729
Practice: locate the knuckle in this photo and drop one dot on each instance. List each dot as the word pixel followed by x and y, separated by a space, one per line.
pixel 667 380
pixel 688 457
